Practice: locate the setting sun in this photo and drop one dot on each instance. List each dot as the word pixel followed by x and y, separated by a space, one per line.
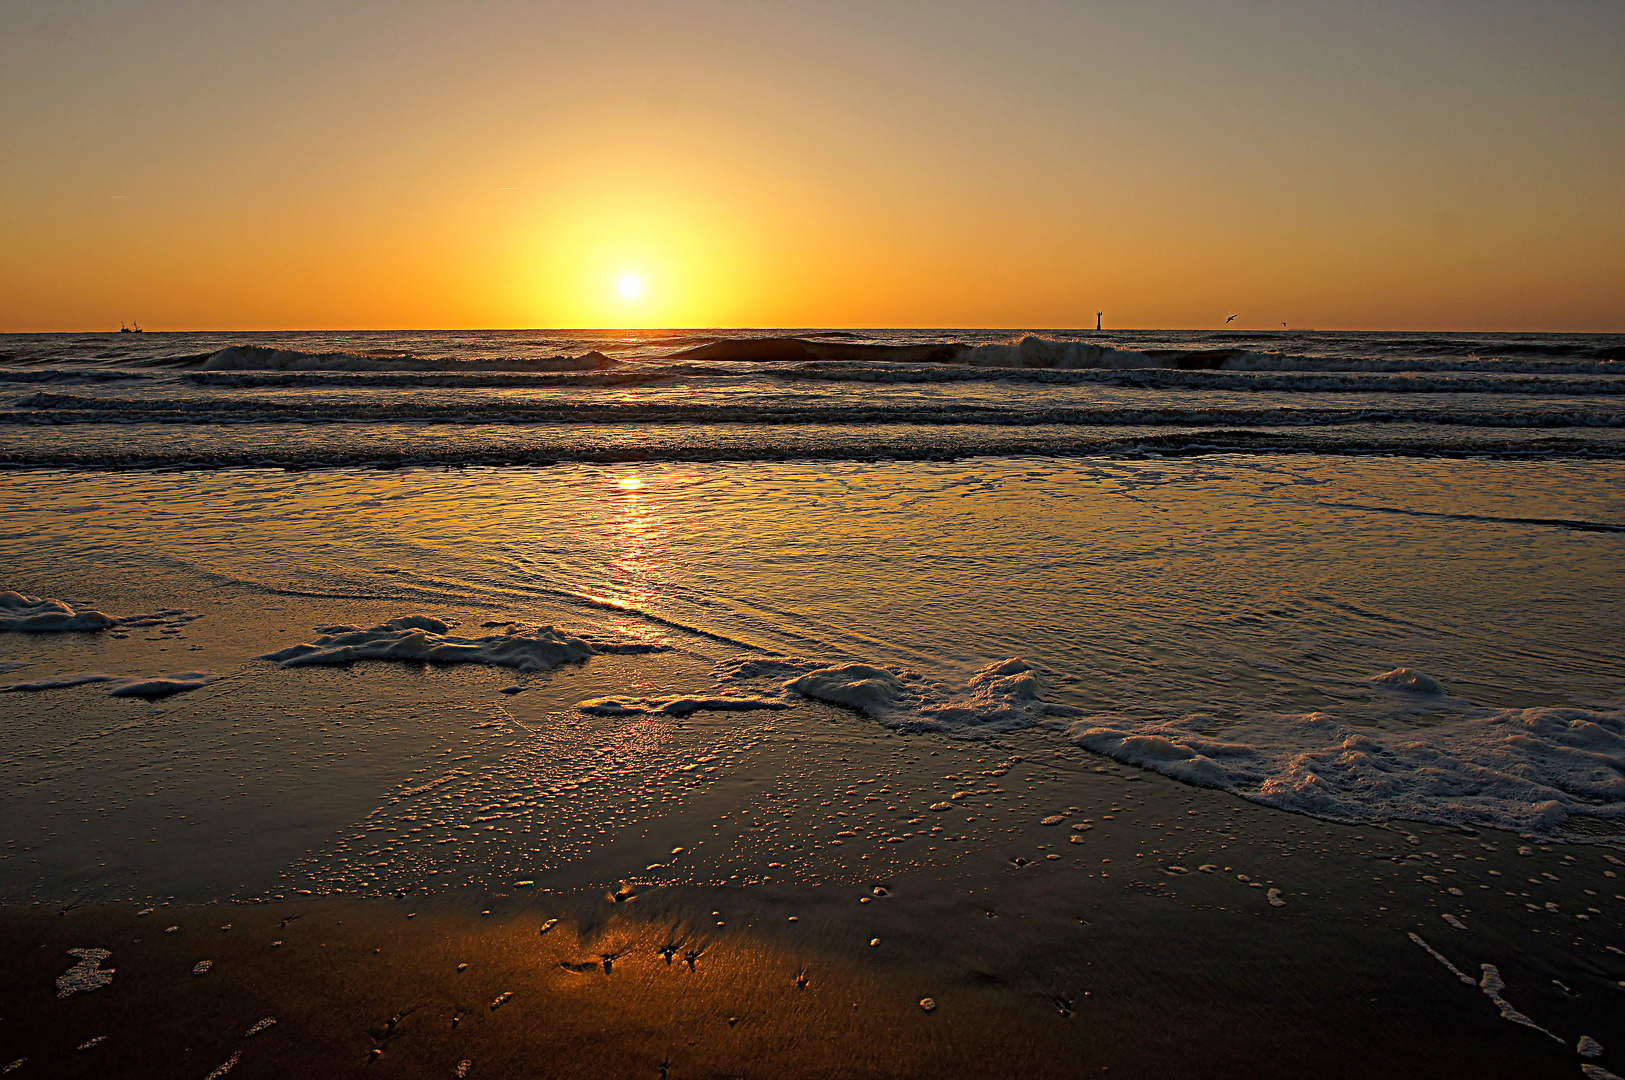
pixel 631 287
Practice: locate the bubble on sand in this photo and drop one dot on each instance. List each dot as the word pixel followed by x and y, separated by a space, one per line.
pixel 86 975
pixel 259 1026
pixel 202 967
pixel 225 1066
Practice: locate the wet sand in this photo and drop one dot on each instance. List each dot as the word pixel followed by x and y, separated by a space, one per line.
pixel 717 881
pixel 1118 956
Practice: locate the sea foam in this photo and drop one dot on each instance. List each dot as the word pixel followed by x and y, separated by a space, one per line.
pixel 33 615
pixel 423 639
pixel 1525 770
pixel 1003 696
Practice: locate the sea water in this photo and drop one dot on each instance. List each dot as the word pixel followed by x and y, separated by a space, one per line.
pixel 1364 577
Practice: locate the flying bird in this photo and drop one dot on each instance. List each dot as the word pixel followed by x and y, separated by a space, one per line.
pixel 1231 319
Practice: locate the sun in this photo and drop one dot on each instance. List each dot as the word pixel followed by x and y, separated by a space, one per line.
pixel 630 287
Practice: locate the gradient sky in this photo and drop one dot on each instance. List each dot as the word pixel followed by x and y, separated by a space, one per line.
pixel 230 165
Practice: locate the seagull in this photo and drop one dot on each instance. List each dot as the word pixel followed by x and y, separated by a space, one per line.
pixel 1231 319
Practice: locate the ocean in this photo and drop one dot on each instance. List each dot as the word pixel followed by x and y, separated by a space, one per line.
pixel 1024 689
pixel 530 397
pixel 1203 554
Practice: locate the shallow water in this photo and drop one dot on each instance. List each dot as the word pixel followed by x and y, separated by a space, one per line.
pixel 1257 595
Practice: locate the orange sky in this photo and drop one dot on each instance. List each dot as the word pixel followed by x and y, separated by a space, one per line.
pixel 243 166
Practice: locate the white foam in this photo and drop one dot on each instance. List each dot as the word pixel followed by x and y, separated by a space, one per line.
pixel 1492 984
pixel 1003 696
pixel 140 686
pixel 58 682
pixel 34 615
pixel 421 639
pixel 870 690
pixel 160 686
pixel 1440 957
pixel 1517 769
pixel 1403 678
pixel 86 975
pixel 679 705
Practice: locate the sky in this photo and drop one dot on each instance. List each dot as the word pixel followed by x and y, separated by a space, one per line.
pixel 491 163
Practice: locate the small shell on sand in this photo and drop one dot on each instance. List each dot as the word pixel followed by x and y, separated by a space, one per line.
pixel 500 998
pixel 462 1069
pixel 548 925
pixel 1588 1047
pixel 98 1040
pixel 874 943
pixel 202 967
pixel 928 1004
pixel 1275 898
pixel 939 807
pixel 1053 819
pixel 1081 826
pixel 1455 922
pixel 259 1027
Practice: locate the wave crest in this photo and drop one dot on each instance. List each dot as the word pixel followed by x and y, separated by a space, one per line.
pixel 265 358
